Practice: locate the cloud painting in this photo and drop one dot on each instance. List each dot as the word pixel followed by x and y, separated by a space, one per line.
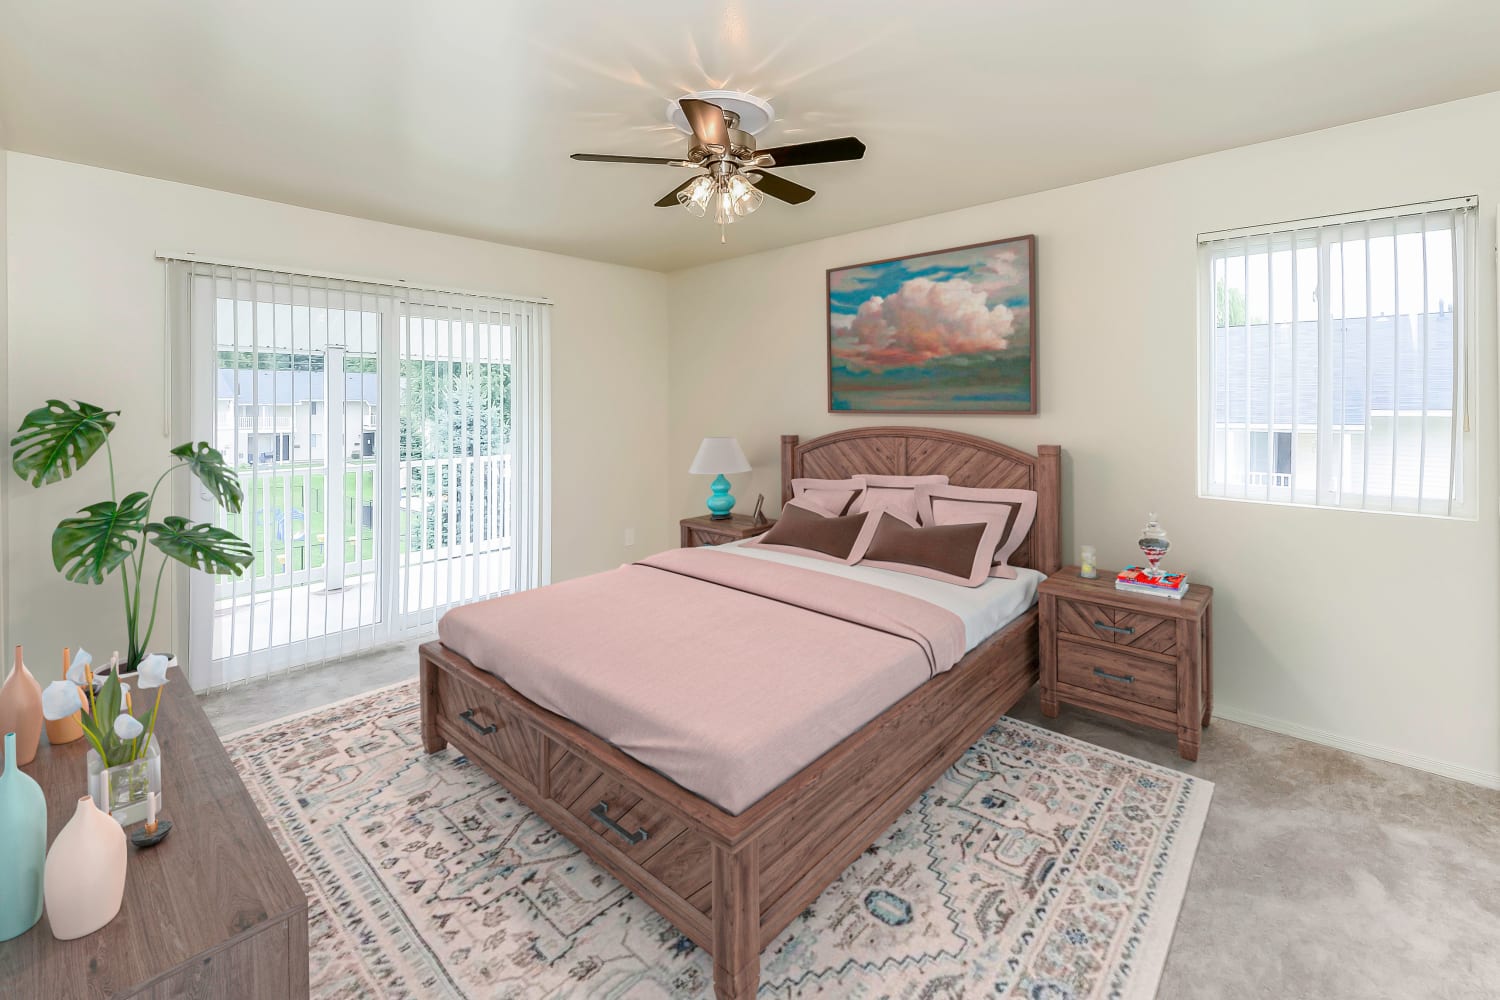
pixel 944 332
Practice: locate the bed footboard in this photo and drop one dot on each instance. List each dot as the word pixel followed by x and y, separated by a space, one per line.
pixel 729 883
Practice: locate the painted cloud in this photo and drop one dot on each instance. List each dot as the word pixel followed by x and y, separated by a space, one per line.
pixel 923 320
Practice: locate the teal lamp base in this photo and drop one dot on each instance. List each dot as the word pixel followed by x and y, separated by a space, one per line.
pixel 720 502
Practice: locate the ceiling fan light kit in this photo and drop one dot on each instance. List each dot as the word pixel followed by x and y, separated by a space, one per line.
pixel 735 181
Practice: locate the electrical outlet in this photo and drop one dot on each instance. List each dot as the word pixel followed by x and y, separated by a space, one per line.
pixel 629 536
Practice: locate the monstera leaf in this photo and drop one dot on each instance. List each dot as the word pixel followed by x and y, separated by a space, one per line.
pixel 218 478
pixel 54 441
pixel 201 546
pixel 85 549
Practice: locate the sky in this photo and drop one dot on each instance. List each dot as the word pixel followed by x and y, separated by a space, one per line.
pixel 1347 284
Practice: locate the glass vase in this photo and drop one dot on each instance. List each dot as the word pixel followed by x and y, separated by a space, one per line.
pixel 121 790
pixel 1154 544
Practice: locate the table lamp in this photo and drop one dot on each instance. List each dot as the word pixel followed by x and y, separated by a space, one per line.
pixel 716 456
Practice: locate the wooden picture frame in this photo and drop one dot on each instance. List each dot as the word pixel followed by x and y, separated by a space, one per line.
pixel 946 383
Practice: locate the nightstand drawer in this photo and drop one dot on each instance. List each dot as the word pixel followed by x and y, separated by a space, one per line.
pixel 1117 674
pixel 1137 629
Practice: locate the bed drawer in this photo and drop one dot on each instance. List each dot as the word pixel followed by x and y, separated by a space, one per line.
pixel 1117 674
pixel 636 826
pixel 1136 629
pixel 475 716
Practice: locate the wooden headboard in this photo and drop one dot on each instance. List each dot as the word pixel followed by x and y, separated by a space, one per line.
pixel 965 459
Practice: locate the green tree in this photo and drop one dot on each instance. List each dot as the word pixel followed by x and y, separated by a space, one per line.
pixel 1229 306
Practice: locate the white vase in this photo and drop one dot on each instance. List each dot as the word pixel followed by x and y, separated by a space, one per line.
pixel 85 878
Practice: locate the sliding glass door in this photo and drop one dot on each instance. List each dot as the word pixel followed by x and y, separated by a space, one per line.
pixel 371 429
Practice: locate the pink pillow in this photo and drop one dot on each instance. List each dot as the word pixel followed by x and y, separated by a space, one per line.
pixel 829 497
pixel 895 494
pixel 1012 510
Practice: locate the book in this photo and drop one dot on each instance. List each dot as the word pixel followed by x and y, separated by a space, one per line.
pixel 1158 592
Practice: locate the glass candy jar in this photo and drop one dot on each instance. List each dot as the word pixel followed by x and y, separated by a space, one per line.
pixel 1154 543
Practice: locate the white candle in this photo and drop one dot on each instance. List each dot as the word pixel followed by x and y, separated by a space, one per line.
pixel 150 812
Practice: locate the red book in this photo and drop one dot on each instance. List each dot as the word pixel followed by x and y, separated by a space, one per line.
pixel 1137 576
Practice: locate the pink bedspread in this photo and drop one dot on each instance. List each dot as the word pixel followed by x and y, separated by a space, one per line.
pixel 728 675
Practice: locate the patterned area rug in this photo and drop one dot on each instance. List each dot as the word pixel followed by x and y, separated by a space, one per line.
pixel 1037 867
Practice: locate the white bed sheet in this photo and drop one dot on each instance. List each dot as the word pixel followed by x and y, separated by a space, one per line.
pixel 985 609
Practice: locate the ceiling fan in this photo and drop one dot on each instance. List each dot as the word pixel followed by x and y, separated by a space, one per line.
pixel 734 178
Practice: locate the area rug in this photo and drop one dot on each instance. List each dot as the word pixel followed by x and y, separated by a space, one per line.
pixel 1038 867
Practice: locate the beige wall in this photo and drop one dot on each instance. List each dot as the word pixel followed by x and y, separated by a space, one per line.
pixel 1386 642
pixel 86 316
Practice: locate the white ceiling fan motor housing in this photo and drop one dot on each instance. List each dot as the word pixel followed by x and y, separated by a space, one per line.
pixel 755 114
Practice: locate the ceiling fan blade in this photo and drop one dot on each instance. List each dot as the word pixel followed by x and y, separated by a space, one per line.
pixel 610 158
pixel 669 200
pixel 780 187
pixel 822 151
pixel 707 121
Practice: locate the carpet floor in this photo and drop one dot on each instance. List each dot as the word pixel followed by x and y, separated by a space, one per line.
pixel 1038 866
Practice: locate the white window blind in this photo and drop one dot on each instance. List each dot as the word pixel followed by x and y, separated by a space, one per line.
pixel 1334 361
pixel 392 445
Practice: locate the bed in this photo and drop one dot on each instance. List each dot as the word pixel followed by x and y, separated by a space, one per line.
pixel 782 805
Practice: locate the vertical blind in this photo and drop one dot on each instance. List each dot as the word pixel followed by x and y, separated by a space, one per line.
pixel 392 445
pixel 1334 360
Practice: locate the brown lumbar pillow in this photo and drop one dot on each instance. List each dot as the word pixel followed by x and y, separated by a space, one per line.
pixel 955 553
pixel 815 534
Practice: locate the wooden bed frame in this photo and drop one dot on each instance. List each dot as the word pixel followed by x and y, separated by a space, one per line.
pixel 732 883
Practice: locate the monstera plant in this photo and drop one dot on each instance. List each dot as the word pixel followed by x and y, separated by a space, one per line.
pixel 55 441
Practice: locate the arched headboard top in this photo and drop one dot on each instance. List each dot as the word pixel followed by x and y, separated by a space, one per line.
pixel 965 459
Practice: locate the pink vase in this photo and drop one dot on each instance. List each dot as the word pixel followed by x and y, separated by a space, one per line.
pixel 85 878
pixel 21 710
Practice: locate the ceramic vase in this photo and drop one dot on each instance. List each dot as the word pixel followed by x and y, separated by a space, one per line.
pixel 23 832
pixel 85 879
pixel 21 710
pixel 60 731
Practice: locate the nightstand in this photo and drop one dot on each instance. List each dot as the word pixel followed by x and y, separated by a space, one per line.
pixel 706 530
pixel 1139 658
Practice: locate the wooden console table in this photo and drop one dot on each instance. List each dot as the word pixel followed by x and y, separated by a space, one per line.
pixel 211 913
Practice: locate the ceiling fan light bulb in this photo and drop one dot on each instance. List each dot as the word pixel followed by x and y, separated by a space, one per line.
pixel 747 197
pixel 724 208
pixel 695 196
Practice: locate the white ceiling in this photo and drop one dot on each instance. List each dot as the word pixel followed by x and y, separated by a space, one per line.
pixel 459 116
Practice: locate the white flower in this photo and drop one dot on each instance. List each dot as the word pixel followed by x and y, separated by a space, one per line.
pixel 128 727
pixel 60 700
pixel 153 671
pixel 78 669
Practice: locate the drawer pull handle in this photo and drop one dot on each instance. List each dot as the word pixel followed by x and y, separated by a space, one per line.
pixel 1114 628
pixel 468 716
pixel 1122 678
pixel 601 813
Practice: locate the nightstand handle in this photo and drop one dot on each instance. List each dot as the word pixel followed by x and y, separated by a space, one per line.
pixel 1115 628
pixel 1122 678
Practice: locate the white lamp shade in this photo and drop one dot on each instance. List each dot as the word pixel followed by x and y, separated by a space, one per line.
pixel 719 454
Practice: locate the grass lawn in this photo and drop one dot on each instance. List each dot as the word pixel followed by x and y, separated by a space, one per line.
pixel 290 508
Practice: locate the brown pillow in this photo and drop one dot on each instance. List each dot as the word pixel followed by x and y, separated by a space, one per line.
pixel 954 553
pixel 810 533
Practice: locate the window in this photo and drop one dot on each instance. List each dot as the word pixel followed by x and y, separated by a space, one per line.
pixel 1333 361
pixel 414 422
